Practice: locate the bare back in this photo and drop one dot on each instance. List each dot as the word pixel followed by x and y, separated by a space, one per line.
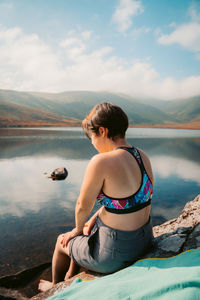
pixel 123 178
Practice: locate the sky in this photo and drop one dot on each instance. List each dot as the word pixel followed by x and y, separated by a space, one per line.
pixel 142 48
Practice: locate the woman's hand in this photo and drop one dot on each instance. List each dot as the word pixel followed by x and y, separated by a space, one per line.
pixel 88 225
pixel 68 236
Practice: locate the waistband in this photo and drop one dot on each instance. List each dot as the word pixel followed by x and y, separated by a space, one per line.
pixel 123 234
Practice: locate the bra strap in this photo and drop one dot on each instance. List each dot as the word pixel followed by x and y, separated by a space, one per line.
pixel 136 154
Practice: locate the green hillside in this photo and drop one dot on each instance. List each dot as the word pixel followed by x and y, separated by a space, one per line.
pixel 182 110
pixel 72 105
pixel 18 115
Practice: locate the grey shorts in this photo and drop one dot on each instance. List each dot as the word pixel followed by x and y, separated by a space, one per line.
pixel 107 250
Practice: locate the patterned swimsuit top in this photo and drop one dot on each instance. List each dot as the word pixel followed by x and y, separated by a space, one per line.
pixel 135 202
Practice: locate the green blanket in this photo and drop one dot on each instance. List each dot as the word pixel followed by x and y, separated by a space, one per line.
pixel 172 278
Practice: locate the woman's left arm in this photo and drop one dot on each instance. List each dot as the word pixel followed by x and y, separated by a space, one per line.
pixel 91 186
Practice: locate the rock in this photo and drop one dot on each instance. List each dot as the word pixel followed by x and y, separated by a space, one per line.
pixel 6 294
pixel 10 285
pixel 22 278
pixel 172 243
pixel 59 174
pixel 180 234
pixel 171 238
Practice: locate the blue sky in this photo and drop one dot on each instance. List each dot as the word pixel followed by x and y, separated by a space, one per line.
pixel 143 48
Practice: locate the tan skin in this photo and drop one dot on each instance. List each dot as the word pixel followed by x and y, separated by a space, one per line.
pixel 119 175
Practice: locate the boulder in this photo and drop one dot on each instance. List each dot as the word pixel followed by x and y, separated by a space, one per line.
pixel 179 234
pixel 59 174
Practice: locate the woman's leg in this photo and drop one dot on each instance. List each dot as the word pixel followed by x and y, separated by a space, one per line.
pixel 73 269
pixel 60 261
pixel 60 266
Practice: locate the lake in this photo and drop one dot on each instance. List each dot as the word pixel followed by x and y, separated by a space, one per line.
pixel 34 209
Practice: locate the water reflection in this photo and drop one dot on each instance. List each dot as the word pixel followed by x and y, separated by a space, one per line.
pixel 34 208
pixel 24 187
pixel 167 166
pixel 27 153
pixel 66 144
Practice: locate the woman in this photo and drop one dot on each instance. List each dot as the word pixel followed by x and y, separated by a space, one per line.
pixel 120 232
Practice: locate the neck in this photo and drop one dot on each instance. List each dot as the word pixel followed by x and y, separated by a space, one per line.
pixel 120 142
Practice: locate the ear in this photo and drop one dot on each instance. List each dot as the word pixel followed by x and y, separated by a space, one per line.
pixel 103 131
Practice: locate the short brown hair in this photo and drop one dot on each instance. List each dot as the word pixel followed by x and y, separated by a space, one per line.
pixel 109 116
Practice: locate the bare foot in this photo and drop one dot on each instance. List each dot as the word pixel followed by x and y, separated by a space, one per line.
pixel 45 285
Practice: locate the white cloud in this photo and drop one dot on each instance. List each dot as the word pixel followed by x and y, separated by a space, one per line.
pixel 10 34
pixel 124 13
pixel 194 11
pixel 187 87
pixel 27 63
pixel 74 47
pixel 71 41
pixel 187 35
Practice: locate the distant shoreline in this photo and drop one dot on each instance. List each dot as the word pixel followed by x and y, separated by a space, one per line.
pixel 191 126
pixel 169 126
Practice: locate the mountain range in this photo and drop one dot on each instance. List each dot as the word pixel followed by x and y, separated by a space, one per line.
pixel 28 109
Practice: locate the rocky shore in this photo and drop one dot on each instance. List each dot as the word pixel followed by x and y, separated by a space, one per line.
pixel 171 238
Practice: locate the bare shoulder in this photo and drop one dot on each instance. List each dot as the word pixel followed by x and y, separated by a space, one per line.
pixel 95 170
pixel 147 164
pixel 98 160
pixel 143 155
pixel 102 160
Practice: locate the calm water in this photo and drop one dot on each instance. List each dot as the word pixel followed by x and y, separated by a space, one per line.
pixel 35 209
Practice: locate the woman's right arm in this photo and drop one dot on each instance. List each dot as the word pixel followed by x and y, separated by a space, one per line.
pixel 90 223
pixel 92 184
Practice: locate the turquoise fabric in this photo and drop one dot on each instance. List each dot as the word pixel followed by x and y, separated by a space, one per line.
pixel 172 278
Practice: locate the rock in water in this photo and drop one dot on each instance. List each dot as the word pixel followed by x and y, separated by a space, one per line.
pixel 59 174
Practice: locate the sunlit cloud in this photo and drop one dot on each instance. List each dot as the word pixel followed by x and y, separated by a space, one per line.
pixel 185 35
pixel 194 11
pixel 124 13
pixel 27 62
pixel 30 64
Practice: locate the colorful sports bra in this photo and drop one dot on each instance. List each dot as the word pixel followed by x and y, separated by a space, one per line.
pixel 135 202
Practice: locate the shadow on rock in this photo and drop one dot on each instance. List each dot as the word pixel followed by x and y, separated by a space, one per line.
pixel 11 285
